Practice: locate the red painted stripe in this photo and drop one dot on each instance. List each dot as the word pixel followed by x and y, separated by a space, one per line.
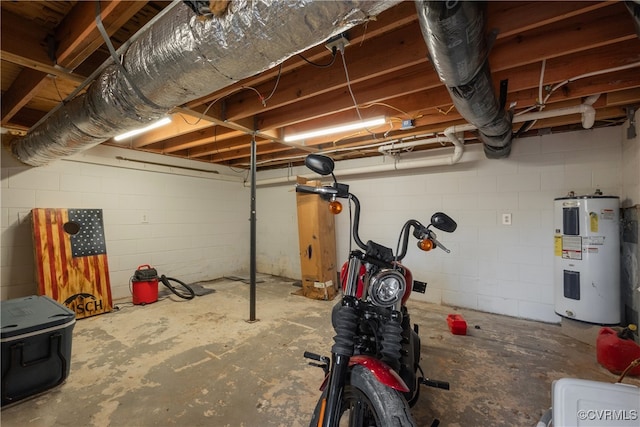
pixel 86 268
pixel 37 218
pixel 107 283
pixel 64 238
pixel 99 283
pixel 102 282
pixel 50 214
pixel 95 274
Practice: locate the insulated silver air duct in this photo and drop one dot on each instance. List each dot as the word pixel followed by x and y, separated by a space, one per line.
pixel 454 32
pixel 182 58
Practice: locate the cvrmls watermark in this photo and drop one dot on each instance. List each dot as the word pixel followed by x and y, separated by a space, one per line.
pixel 608 414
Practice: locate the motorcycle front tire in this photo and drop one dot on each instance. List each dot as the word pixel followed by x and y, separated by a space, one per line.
pixel 366 403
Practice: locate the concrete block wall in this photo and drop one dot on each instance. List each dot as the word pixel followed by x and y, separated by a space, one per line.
pixel 506 269
pixel 630 258
pixel 190 227
pixel 277 228
pixel 631 163
pixel 196 228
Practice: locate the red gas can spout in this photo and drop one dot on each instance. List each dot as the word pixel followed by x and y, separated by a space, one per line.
pixel 627 333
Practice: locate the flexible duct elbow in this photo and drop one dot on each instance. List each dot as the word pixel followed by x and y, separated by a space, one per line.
pixel 455 37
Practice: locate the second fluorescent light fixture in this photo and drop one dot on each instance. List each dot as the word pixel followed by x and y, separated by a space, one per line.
pixel 336 129
pixel 154 125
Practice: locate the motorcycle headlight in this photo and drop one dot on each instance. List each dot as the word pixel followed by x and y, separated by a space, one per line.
pixel 387 288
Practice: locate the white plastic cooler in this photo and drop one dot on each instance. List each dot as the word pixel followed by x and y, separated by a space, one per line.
pixel 585 403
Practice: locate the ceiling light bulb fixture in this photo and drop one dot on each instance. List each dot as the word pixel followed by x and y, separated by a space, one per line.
pixel 154 125
pixel 363 124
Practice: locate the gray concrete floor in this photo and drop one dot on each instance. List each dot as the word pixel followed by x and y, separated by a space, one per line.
pixel 199 362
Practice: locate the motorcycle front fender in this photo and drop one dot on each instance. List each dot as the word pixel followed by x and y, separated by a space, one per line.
pixel 381 371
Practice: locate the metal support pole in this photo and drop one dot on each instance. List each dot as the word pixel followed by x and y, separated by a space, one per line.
pixel 252 257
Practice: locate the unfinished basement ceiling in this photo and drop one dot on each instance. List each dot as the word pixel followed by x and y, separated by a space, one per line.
pixel 560 52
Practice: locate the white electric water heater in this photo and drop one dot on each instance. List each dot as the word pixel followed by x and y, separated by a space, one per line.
pixel 587 258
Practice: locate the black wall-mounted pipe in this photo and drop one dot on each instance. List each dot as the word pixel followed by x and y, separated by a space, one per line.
pixel 454 32
pixel 252 238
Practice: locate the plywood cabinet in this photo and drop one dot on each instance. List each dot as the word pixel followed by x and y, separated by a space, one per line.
pixel 317 238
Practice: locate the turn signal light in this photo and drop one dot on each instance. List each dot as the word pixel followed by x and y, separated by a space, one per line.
pixel 335 207
pixel 425 244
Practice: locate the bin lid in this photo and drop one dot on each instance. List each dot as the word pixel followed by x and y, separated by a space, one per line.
pixel 33 313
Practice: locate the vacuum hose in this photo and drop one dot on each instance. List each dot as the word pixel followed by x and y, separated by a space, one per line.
pixel 167 282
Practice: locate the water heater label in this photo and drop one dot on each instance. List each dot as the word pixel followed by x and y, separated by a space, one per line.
pixel 594 240
pixel 572 247
pixel 607 214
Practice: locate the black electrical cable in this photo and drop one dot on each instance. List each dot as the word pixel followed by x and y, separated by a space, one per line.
pixel 334 52
pixel 524 128
pixel 166 281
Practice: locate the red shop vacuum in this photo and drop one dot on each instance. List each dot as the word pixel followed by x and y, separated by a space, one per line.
pixel 144 286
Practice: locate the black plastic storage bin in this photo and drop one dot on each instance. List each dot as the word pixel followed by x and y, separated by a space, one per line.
pixel 36 346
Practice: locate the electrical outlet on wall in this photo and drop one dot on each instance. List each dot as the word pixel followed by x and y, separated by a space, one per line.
pixel 506 219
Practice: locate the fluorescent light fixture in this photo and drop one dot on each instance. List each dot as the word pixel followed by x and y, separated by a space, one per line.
pixel 363 124
pixel 154 125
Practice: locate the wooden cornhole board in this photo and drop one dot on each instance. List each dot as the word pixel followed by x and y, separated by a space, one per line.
pixel 71 259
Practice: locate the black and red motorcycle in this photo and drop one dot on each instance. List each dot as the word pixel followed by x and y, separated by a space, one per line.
pixel 373 375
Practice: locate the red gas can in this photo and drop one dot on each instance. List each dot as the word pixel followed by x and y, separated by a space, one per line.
pixel 615 353
pixel 457 324
pixel 144 285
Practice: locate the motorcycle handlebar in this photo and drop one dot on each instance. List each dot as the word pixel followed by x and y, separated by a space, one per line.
pixel 419 228
pixel 333 191
pixel 356 223
pixel 420 232
pixel 439 245
pixel 404 235
pixel 300 188
pixel 313 356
